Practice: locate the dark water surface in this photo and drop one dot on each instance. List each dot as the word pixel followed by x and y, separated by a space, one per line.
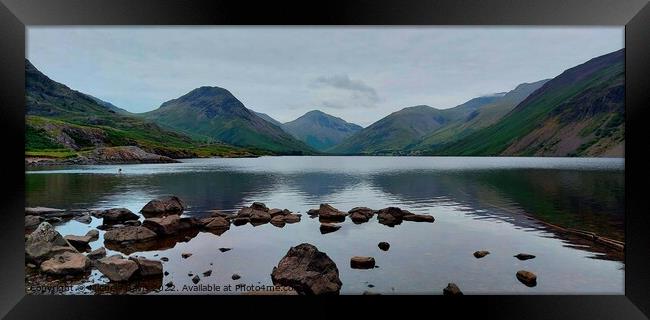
pixel 478 204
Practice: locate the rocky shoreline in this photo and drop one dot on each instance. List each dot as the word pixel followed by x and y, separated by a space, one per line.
pixel 52 257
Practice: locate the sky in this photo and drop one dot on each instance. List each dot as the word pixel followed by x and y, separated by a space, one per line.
pixel 360 74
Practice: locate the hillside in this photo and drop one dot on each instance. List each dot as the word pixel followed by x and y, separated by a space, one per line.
pixel 395 133
pixel 214 114
pixel 61 122
pixel 578 113
pixel 482 117
pixel 320 130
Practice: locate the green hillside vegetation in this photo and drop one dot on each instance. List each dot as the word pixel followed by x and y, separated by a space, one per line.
pixel 213 113
pixel 595 87
pixel 61 121
pixel 320 130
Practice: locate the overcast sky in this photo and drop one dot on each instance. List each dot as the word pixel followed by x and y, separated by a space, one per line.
pixel 358 74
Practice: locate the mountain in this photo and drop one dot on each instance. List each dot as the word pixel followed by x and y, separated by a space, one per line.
pixel 108 105
pixel 63 122
pixel 578 113
pixel 268 118
pixel 395 133
pixel 213 113
pixel 320 130
pixel 484 115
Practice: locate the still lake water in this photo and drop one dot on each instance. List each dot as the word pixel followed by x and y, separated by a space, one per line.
pixel 479 204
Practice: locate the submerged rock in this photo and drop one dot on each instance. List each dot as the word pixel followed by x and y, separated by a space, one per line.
pixel 360 215
pixel 452 290
pixel 235 277
pixel 524 256
pixel 481 253
pixel 84 218
pixel 308 271
pixel 526 277
pixel 419 218
pixel 164 205
pixel 328 227
pixel 384 246
pixel 129 234
pixel 185 255
pixel 66 263
pixel 117 268
pixel 224 249
pixel 359 262
pixel 330 214
pixel 164 226
pixel 97 254
pixel 148 268
pixel 117 215
pixel 207 273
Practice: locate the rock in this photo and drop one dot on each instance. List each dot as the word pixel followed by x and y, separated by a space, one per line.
pixel 452 290
pixel 524 256
pixel 66 263
pixel 44 242
pixel 97 254
pixel 53 220
pixel 331 214
pixel 328 227
pixel 275 212
pixel 240 221
pixel 93 234
pixel 32 222
pixel 31 266
pixel 164 226
pixel 164 259
pixel 118 215
pixel 166 273
pixel 148 268
pixel 259 206
pixel 481 254
pixel 84 218
pixel 384 246
pixel 361 214
pixel 278 221
pixel 37 211
pixel 392 216
pixel 217 213
pixel 370 293
pixel 186 255
pixel 196 279
pixel 292 218
pixel 244 212
pixel 169 284
pixel 164 205
pixel 258 216
pixel 218 223
pixel 526 277
pixel 207 273
pixel 419 218
pixel 79 242
pixel 358 262
pixel 308 271
pixel 133 223
pixel 236 277
pixel 129 234
pixel 187 223
pixel 312 212
pixel 116 268
pixel 224 249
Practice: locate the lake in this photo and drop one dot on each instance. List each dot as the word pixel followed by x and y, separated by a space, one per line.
pixel 491 203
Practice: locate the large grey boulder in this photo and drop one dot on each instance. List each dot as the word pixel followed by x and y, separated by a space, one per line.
pixel 308 271
pixel 44 242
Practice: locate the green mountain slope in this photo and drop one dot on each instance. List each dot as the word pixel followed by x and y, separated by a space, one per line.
pixel 482 117
pixel 397 132
pixel 268 118
pixel 61 121
pixel 578 113
pixel 214 113
pixel 320 130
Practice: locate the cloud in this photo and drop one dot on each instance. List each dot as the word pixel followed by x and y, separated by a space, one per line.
pixel 339 91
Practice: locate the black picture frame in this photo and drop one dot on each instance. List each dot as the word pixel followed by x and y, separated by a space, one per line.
pixel 15 15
